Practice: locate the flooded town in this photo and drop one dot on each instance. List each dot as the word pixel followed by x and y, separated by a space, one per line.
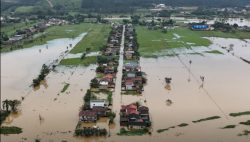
pixel 118 71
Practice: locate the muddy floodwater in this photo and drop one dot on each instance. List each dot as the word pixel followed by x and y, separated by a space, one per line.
pixel 226 89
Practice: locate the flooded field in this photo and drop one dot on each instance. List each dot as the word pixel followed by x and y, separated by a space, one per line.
pixel 225 90
pixel 239 21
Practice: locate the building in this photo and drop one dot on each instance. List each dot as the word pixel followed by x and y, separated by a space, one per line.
pixel 98 103
pixel 135 116
pixel 200 27
pixel 88 116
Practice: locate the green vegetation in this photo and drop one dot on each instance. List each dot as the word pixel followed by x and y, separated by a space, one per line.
pixel 155 41
pixel 135 132
pixel 10 105
pixel 229 127
pixel 109 98
pixel 94 40
pixel 206 119
pixel 77 61
pixel 3 115
pixel 111 116
pixel 10 130
pixel 214 52
pixel 11 28
pixel 43 73
pixel 240 113
pixel 65 87
pixel 87 131
pixel 24 9
pixel 196 53
pixel 183 125
pixel 244 133
pixel 56 32
pixel 245 123
pixel 166 129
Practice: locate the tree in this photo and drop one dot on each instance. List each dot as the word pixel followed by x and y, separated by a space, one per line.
pixel 14 104
pixel 94 83
pixel 6 105
pixel 135 19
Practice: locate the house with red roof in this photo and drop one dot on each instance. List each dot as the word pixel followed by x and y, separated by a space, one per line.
pixel 133 115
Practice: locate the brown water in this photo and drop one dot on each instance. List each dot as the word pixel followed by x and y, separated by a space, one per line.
pixel 227 89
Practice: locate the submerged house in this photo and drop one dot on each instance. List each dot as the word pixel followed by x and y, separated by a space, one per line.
pixel 88 116
pixel 131 66
pixel 98 103
pixel 107 82
pixel 134 116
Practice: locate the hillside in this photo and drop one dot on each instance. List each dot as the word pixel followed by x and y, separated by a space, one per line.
pixel 27 6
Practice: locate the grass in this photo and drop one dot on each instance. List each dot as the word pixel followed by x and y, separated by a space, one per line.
pixel 244 133
pixel 11 28
pixel 245 123
pixel 56 32
pixel 65 87
pixel 206 119
pixel 130 92
pixel 154 41
pixel 229 127
pixel 135 132
pixel 196 53
pixel 110 98
pixel 99 75
pixel 78 61
pixel 10 130
pixel 183 125
pixel 3 115
pixel 95 39
pixel 24 9
pixel 240 113
pixel 166 129
pixel 214 52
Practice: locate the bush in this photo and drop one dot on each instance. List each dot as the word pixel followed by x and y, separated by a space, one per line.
pixel 10 130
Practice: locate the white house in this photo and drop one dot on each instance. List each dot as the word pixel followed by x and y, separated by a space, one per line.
pixel 99 103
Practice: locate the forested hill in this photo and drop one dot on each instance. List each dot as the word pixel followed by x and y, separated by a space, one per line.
pixel 27 6
pixel 142 3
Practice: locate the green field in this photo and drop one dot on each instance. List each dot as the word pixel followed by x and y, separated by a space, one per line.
pixel 24 9
pixel 155 41
pixel 10 130
pixel 65 31
pixel 77 61
pixel 95 39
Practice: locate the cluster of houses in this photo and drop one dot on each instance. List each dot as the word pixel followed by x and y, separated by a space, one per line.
pixel 30 31
pixel 97 109
pixel 134 116
pixel 133 78
pixel 108 61
pixel 105 78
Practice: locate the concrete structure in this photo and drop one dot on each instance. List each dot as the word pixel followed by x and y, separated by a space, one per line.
pixel 98 103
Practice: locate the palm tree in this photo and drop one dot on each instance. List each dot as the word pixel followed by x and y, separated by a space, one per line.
pixel 6 105
pixel 13 104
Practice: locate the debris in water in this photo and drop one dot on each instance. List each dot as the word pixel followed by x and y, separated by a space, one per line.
pixel 168 79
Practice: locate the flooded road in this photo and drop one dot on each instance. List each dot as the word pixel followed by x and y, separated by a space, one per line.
pixel 227 81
